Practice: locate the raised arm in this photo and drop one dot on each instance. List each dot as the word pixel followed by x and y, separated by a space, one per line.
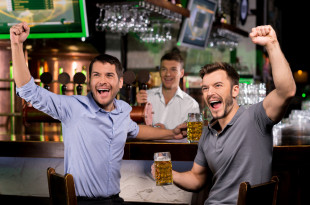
pixel 18 35
pixel 277 101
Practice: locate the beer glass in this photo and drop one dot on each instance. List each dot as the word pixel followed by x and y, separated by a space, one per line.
pixel 194 127
pixel 163 168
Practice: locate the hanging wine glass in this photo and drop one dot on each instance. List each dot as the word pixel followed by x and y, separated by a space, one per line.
pixel 167 29
pixel 128 18
pixel 119 19
pixel 99 20
pixel 145 21
pixel 112 20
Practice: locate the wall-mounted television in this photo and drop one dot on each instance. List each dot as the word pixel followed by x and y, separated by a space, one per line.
pixel 195 30
pixel 46 18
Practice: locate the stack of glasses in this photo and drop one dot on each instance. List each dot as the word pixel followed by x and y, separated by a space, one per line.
pixel 250 94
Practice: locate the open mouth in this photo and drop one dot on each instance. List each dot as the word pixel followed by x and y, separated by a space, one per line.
pixel 103 91
pixel 168 79
pixel 215 104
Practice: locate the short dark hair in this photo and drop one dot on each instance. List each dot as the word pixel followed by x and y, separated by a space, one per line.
pixel 173 56
pixel 231 72
pixel 105 58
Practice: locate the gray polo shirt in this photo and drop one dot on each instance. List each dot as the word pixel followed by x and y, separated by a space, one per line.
pixel 241 152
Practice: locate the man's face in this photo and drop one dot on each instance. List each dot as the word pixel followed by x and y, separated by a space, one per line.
pixel 104 84
pixel 171 72
pixel 218 93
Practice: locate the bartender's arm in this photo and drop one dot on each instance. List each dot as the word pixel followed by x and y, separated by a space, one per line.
pixel 18 34
pixel 141 96
pixel 150 133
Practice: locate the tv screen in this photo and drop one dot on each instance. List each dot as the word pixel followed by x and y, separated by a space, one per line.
pixel 46 18
pixel 195 30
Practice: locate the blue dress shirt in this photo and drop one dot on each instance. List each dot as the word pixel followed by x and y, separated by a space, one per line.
pixel 94 139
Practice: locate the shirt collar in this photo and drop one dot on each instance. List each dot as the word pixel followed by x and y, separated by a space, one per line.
pixel 232 121
pixel 95 108
pixel 237 115
pixel 178 92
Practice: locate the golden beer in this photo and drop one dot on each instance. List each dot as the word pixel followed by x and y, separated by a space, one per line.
pixel 194 130
pixel 163 168
pixel 194 127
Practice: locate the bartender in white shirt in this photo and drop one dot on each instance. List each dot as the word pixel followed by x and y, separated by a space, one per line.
pixel 170 104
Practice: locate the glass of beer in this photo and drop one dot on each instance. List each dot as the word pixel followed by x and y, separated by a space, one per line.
pixel 194 127
pixel 163 168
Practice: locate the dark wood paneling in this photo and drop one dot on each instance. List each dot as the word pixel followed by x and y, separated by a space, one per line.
pixel 179 152
pixel 31 149
pixel 133 150
pixel 290 163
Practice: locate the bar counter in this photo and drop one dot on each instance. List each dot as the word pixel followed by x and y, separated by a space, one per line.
pixel 53 147
pixel 291 158
pixel 294 151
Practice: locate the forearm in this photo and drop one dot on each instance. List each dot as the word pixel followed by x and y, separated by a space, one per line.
pixel 151 133
pixel 21 72
pixel 187 180
pixel 281 71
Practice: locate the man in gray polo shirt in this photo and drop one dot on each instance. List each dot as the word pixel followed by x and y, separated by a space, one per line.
pixel 237 144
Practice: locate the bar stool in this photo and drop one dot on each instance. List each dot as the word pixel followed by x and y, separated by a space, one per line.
pixel 265 193
pixel 61 188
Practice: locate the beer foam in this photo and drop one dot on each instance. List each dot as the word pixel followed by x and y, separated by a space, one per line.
pixel 162 158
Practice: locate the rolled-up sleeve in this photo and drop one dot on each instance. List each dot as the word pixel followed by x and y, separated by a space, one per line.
pixel 133 129
pixel 42 99
pixel 26 91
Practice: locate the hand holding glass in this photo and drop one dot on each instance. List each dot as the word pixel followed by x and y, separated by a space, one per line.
pixel 163 168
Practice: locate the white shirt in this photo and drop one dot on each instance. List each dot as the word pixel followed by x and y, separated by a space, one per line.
pixel 176 111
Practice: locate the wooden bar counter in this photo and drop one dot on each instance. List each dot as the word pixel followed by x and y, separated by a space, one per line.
pixel 291 159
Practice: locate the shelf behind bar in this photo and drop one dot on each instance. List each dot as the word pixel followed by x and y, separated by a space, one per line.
pixel 160 3
pixel 231 28
pixel 170 6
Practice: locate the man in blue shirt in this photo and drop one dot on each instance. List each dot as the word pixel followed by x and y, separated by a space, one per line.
pixel 95 127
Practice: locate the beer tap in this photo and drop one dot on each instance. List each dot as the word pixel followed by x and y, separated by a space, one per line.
pixel 46 78
pixel 143 78
pixel 129 78
pixel 143 113
pixel 64 79
pixel 79 78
